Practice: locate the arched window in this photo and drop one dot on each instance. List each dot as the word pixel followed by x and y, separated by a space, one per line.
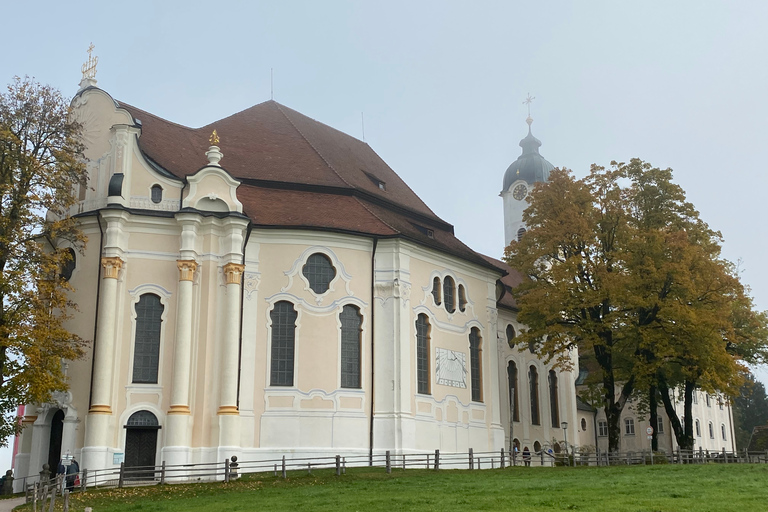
pixel 156 193
pixel 709 404
pixel 283 318
pixel 513 387
pixel 698 429
pixel 144 419
pixel 462 298
pixel 553 402
pixel 146 347
pixel 448 292
pixel 520 233
pixel 350 346
pixel 537 447
pixel 475 365
pixel 533 385
pixel 532 346
pixel 436 290
pixel 422 354
pixel 68 265
pixel 722 430
pixel 319 272
pixel 583 425
pixel 711 431
pixel 510 335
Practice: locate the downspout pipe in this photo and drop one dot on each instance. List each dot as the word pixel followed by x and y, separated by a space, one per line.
pixel 373 336
pixel 242 300
pixel 96 315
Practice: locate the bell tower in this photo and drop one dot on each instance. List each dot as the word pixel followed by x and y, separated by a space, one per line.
pixel 529 168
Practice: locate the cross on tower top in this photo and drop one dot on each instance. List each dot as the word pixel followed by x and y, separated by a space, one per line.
pixel 89 68
pixel 528 102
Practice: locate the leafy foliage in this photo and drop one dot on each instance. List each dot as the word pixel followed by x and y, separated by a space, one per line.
pixel 621 266
pixel 750 410
pixel 40 168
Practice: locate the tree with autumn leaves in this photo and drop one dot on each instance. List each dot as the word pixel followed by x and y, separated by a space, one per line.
pixel 40 169
pixel 621 267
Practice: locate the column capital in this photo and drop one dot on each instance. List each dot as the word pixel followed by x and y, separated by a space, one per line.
pixel 179 409
pixel 228 410
pixel 112 266
pixel 233 272
pixel 186 269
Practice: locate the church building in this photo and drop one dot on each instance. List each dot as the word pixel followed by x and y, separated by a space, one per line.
pixel 267 285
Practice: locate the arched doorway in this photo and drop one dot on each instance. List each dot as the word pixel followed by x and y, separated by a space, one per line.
pixel 141 444
pixel 54 441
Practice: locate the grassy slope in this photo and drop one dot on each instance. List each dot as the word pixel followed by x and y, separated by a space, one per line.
pixel 639 488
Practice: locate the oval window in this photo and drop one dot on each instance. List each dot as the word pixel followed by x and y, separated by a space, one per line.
pixel 157 193
pixel 319 272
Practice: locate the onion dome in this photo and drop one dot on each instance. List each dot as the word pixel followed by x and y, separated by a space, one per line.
pixel 530 166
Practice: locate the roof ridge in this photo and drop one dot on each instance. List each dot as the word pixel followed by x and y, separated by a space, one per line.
pixel 374 214
pixel 279 107
pixel 129 107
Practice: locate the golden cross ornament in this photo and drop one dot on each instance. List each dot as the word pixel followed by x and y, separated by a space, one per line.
pixel 214 139
pixel 89 68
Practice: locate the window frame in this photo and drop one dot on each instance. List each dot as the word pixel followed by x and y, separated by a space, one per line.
pixel 476 364
pixel 423 355
pixel 722 430
pixel 311 272
pixel 711 430
pixel 659 424
pixel 437 290
pixel 513 391
pixel 698 428
pixel 462 292
pixel 350 363
pixel 449 294
pixel 629 426
pixel 152 190
pixel 602 428
pixel 554 399
pixel 290 347
pixel 533 390
pixel 156 345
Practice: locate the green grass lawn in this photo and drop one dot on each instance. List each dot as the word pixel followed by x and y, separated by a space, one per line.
pixel 715 487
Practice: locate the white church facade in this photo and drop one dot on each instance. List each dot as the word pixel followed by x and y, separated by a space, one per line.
pixel 266 285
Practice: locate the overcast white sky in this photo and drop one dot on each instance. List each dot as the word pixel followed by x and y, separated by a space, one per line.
pixel 679 84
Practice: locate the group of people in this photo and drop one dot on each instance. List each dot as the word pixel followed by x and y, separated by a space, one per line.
pixel 71 471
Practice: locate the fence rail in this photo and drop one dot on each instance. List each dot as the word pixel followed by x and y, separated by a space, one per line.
pixel 230 469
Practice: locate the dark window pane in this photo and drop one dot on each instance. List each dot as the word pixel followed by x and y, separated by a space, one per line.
pixel 513 387
pixel 157 193
pixel 319 272
pixel 142 419
pixel 422 354
pixel 436 290
pixel 553 402
pixel 510 335
pixel 283 318
pixel 520 233
pixel 475 365
pixel 448 291
pixel 146 349
pixel 462 298
pixel 350 347
pixel 533 385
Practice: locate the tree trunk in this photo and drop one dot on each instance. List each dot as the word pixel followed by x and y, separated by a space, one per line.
pixel 683 431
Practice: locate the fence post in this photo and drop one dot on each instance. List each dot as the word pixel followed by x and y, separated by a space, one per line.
pixel 389 463
pixel 437 459
pixel 541 455
pixel 725 456
pixel 427 461
pixel 471 459
pixel 82 480
pixel 309 468
pixel 122 473
pixel 162 473
pixel 284 466
pixel 679 459
pixel 338 465
pixel 66 500
pixel 501 460
pixel 226 471
pixel 343 465
pixel 403 461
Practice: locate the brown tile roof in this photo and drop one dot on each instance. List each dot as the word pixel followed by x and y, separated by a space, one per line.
pixel 271 142
pixel 510 281
pixel 297 172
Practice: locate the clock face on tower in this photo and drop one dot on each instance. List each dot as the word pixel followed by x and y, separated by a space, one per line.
pixel 519 192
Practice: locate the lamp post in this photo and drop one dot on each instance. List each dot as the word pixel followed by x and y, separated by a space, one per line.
pixel 564 426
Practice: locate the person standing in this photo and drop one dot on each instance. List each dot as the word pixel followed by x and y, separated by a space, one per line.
pixel 72 472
